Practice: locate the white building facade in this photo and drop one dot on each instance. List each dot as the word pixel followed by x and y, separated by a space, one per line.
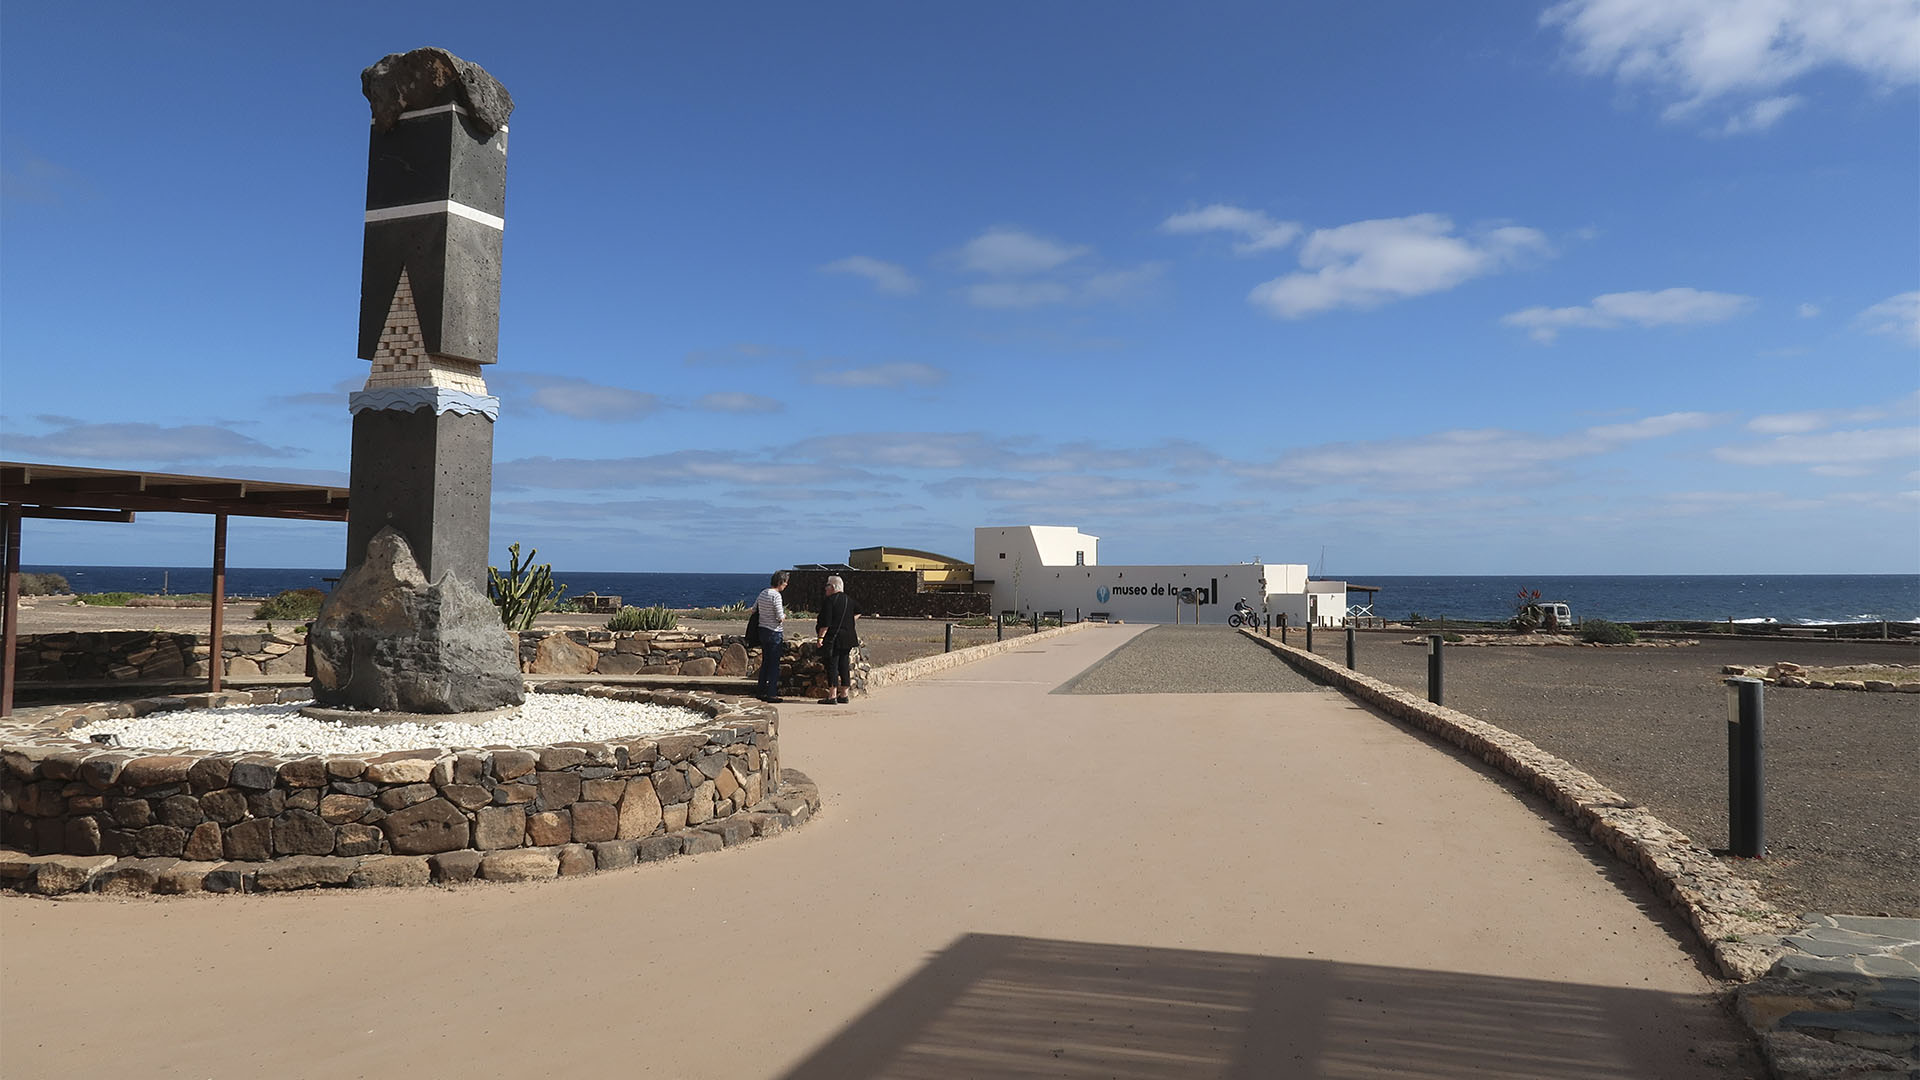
pixel 1030 568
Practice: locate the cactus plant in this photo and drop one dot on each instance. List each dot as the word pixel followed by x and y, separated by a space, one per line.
pixel 657 617
pixel 524 591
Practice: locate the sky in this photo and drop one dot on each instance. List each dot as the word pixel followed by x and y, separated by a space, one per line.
pixel 1597 286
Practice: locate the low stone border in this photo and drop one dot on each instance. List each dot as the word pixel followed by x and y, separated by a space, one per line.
pixel 1725 910
pixel 909 670
pixel 82 815
pixel 1792 675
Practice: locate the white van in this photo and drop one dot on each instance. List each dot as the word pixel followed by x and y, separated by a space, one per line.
pixel 1559 614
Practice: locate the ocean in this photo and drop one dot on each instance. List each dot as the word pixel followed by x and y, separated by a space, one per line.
pixel 1788 598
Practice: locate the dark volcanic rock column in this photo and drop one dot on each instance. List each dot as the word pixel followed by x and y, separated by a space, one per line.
pixel 429 310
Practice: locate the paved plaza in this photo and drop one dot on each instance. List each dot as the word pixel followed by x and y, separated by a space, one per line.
pixel 1005 880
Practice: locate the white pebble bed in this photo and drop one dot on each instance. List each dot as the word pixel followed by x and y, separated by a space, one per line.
pixel 280 729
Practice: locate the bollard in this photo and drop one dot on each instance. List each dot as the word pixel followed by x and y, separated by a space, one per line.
pixel 1436 669
pixel 1349 648
pixel 1269 625
pixel 1036 622
pixel 949 646
pixel 1309 635
pixel 1746 772
pixel 1000 627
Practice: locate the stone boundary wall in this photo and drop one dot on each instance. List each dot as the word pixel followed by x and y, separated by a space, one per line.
pixel 135 655
pixel 908 670
pixel 888 593
pixel 635 652
pixel 1725 910
pixel 497 813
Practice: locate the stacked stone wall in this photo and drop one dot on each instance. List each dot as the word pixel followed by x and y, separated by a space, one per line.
pixel 137 655
pixel 496 813
pixel 891 593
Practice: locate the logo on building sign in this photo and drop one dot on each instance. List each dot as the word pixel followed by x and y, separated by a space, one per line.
pixel 1103 594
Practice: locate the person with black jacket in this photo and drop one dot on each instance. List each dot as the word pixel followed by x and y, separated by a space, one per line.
pixel 838 639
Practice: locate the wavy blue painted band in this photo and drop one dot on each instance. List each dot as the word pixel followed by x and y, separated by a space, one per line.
pixel 413 398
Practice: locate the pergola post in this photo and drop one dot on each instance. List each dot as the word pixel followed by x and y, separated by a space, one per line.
pixel 10 632
pixel 216 659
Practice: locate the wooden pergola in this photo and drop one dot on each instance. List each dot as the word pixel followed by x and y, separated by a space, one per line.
pixel 72 493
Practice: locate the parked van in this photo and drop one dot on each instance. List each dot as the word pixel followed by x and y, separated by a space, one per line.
pixel 1559 614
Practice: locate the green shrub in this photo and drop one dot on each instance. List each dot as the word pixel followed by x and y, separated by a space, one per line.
pixel 173 600
pixel 105 599
pixel 1450 638
pixel 723 614
pixel 1602 632
pixel 43 585
pixel 656 617
pixel 296 604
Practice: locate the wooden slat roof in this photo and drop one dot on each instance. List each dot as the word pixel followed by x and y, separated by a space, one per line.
pixel 72 486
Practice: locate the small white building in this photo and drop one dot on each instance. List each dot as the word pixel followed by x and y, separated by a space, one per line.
pixel 1029 568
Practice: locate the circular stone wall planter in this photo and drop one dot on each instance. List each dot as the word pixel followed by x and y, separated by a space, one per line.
pixel 83 816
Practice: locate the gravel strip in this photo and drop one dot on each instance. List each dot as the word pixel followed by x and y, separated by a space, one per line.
pixel 1188 660
pixel 280 729
pixel 1843 825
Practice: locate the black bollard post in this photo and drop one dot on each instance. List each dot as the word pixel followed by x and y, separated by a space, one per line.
pixel 1309 635
pixel 1036 622
pixel 1746 772
pixel 949 646
pixel 1269 625
pixel 1436 669
pixel 1000 627
pixel 1349 648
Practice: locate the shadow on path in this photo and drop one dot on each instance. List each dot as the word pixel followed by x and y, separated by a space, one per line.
pixel 999 1006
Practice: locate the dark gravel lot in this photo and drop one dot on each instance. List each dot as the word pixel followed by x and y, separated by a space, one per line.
pixel 1188 660
pixel 1843 768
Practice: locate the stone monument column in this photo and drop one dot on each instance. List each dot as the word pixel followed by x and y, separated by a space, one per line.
pixel 429 310
pixel 410 628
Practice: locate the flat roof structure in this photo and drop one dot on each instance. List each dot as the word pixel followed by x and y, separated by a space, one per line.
pixel 78 493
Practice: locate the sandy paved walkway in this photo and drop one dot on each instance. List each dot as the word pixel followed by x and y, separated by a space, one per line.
pixel 1005 882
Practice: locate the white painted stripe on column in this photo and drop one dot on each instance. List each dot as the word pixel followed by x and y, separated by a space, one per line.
pixel 451 106
pixel 444 206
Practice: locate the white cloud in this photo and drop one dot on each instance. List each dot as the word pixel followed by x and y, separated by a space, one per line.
pixel 1018 294
pixel 1809 311
pixel 886 277
pixel 580 399
pixel 1831 453
pixel 881 375
pixel 1111 286
pixel 1003 250
pixel 1760 115
pixel 1459 459
pixel 733 401
pixel 1798 423
pixel 1368 263
pixel 134 442
pixel 1739 54
pixel 1668 307
pixel 1258 232
pixel 1896 316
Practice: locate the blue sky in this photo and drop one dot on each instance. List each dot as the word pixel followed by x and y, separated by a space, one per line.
pixel 1607 286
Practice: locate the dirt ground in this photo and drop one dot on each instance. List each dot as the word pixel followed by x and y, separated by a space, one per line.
pixel 1842 768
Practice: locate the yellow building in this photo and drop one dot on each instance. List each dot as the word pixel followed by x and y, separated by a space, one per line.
pixel 939 573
